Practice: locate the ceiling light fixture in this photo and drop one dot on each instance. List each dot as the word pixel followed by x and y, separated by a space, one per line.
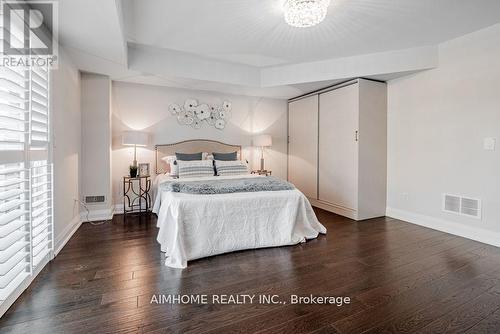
pixel 305 13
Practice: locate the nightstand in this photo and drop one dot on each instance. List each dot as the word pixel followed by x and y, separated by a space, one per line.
pixel 136 195
pixel 262 172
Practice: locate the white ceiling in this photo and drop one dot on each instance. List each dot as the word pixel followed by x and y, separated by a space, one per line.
pixel 93 27
pixel 245 47
pixel 254 32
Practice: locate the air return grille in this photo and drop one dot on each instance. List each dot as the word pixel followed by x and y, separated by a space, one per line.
pixel 451 203
pixel 464 206
pixel 94 199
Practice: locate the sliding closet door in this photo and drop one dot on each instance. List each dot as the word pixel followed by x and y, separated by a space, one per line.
pixel 338 149
pixel 303 145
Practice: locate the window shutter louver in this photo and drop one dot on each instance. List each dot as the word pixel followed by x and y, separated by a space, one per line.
pixel 39 122
pixel 14 227
pixel 26 174
pixel 13 110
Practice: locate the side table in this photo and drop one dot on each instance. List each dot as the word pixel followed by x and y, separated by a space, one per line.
pixel 136 195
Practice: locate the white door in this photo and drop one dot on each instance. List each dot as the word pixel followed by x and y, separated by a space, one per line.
pixel 303 145
pixel 338 146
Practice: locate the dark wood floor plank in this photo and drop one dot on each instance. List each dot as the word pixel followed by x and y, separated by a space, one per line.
pixel 337 286
pixel 468 315
pixel 490 325
pixel 335 277
pixel 400 273
pixel 409 301
pixel 314 321
pixel 412 322
pixel 261 272
pixel 434 269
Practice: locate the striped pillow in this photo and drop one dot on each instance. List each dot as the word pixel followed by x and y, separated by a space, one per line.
pixel 196 168
pixel 231 167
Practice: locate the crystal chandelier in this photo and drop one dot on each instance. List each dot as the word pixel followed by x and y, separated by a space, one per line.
pixel 305 13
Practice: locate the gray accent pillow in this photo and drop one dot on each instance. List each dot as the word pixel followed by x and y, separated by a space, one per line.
pixel 188 156
pixel 225 156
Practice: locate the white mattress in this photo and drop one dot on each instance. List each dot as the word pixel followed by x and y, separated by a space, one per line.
pixel 195 226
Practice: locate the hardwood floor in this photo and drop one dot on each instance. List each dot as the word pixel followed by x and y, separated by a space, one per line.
pixel 401 278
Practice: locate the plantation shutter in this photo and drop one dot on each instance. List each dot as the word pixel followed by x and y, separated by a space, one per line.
pixel 26 226
pixel 15 236
pixel 41 169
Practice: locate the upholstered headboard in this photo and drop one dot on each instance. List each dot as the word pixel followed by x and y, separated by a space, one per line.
pixel 191 146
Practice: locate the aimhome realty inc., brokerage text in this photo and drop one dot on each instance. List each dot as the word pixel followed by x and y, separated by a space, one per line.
pixel 239 299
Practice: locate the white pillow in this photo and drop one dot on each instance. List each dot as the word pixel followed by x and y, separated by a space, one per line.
pixel 236 167
pixel 174 167
pixel 195 168
pixel 169 158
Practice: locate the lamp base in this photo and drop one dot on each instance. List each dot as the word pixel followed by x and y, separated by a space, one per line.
pixel 262 164
pixel 135 156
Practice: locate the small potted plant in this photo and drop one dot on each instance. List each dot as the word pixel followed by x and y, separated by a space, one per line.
pixel 133 171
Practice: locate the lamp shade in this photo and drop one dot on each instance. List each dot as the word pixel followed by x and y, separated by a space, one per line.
pixel 263 141
pixel 131 138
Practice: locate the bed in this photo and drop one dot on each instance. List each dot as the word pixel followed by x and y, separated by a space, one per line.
pixel 194 225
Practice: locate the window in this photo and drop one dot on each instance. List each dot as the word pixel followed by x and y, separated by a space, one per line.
pixel 26 227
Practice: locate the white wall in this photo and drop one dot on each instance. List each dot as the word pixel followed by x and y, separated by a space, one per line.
pixel 66 128
pixel 145 108
pixel 437 121
pixel 96 142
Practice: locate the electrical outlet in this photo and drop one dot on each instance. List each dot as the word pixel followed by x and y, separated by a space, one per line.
pixel 405 196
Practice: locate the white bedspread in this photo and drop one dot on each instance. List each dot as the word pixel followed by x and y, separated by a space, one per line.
pixel 195 226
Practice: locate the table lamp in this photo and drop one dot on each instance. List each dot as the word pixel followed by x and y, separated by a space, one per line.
pixel 135 138
pixel 262 141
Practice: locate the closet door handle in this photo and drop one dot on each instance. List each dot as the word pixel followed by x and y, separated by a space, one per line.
pixel 356 135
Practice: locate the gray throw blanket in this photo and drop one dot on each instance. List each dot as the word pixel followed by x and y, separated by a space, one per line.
pixel 227 186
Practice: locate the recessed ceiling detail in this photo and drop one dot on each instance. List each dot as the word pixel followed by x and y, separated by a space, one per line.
pixel 305 13
pixel 246 47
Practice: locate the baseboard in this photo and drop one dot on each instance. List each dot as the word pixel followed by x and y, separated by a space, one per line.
pixel 66 234
pixel 461 230
pixel 352 214
pixel 97 215
pixel 118 209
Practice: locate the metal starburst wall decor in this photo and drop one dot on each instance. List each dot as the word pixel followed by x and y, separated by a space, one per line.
pixel 196 114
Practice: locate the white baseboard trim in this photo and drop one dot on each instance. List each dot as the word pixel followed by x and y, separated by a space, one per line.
pixel 352 214
pixel 118 209
pixel 477 234
pixel 96 215
pixel 66 234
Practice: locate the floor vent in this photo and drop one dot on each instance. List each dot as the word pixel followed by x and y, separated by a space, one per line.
pixel 464 206
pixel 94 199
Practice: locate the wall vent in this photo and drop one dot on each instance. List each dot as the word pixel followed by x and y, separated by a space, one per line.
pixel 94 199
pixel 470 207
pixel 451 203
